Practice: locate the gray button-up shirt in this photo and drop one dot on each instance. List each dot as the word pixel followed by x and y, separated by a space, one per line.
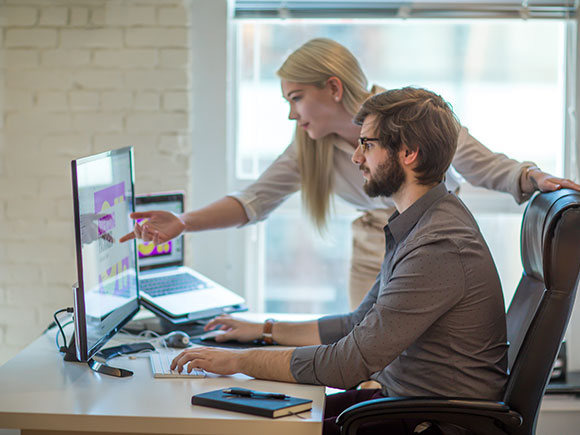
pixel 433 324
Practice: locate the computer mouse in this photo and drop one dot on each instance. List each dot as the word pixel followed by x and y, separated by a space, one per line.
pixel 177 339
pixel 211 335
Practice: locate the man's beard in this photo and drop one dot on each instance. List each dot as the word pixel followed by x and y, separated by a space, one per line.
pixel 388 179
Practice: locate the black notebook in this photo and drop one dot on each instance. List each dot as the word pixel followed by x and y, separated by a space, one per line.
pixel 266 407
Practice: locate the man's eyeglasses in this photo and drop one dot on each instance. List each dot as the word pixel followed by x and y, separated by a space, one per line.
pixel 364 142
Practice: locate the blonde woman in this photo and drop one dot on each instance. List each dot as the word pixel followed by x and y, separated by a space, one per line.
pixel 325 86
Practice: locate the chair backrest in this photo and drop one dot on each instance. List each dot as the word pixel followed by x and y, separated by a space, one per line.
pixel 541 308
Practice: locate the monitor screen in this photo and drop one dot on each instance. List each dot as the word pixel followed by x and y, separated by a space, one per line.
pixel 165 254
pixel 107 295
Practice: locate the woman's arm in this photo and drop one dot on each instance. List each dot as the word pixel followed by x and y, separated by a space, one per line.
pixel 159 226
pixel 252 204
pixel 272 188
pixel 224 213
pixel 484 168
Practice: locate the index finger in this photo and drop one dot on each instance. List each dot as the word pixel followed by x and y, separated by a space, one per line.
pixel 141 214
pixel 128 236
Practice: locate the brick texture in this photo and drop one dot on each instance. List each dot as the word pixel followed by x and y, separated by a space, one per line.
pixel 79 77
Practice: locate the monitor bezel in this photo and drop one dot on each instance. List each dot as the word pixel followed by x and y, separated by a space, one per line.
pixel 83 352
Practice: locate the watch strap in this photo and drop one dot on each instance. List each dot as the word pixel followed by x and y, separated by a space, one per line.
pixel 267 331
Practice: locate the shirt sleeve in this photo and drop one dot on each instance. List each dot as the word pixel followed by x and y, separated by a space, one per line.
pixel 333 328
pixel 484 168
pixel 277 182
pixel 420 290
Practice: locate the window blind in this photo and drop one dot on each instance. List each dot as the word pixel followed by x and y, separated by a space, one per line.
pixel 405 9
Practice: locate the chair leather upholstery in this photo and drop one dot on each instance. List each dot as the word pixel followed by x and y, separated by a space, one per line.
pixel 551 259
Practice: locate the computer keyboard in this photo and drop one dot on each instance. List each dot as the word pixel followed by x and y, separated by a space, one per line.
pixel 161 363
pixel 167 285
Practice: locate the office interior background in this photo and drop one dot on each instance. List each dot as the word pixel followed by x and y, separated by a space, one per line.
pixel 191 85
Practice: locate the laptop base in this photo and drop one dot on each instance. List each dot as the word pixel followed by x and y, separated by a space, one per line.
pixel 193 316
pixel 162 327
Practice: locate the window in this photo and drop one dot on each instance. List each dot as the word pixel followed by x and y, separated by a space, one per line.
pixel 504 78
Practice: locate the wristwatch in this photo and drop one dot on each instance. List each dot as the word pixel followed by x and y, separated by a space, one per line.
pixel 267 331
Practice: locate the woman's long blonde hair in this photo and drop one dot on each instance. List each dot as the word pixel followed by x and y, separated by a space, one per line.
pixel 314 63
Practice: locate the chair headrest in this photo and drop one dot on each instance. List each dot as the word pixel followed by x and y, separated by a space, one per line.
pixel 550 230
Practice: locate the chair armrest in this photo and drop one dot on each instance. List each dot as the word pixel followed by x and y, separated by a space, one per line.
pixel 479 416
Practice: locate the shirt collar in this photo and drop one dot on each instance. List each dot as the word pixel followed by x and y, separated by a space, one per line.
pixel 401 224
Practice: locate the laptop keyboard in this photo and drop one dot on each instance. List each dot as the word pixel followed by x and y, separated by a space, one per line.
pixel 168 285
pixel 160 363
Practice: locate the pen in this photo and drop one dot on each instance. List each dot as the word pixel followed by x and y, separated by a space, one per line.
pixel 250 393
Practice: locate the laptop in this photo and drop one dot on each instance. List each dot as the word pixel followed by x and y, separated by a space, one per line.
pixel 167 287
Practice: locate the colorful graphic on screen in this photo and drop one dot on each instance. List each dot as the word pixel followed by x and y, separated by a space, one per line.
pixel 114 280
pixel 148 249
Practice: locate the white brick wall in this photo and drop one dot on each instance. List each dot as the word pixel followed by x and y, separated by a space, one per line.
pixel 78 77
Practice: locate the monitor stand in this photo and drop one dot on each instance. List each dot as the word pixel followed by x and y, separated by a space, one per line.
pixel 70 354
pixel 104 369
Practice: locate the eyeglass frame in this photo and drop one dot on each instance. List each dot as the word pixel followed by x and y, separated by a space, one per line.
pixel 362 142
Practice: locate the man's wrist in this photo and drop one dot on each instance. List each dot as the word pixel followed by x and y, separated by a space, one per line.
pixel 267 329
pixel 241 361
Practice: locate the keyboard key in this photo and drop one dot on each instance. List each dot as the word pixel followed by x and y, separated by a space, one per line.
pixel 172 284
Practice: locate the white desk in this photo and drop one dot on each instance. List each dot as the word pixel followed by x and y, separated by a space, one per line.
pixel 40 392
pixel 559 415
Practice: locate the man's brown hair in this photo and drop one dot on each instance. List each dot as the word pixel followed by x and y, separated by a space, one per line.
pixel 421 120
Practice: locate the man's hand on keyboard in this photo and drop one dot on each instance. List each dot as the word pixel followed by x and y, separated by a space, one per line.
pixel 211 359
pixel 272 364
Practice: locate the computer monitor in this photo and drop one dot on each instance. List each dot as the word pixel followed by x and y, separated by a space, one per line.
pixel 107 294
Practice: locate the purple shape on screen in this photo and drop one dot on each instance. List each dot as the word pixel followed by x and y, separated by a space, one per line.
pixel 109 196
pixel 106 223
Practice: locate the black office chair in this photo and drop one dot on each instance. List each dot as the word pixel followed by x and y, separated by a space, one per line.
pixel 536 322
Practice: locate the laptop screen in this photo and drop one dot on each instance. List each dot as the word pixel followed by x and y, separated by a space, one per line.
pixel 166 254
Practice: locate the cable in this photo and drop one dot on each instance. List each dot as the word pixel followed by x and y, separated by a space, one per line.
pixel 57 335
pixel 56 313
pixel 148 335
